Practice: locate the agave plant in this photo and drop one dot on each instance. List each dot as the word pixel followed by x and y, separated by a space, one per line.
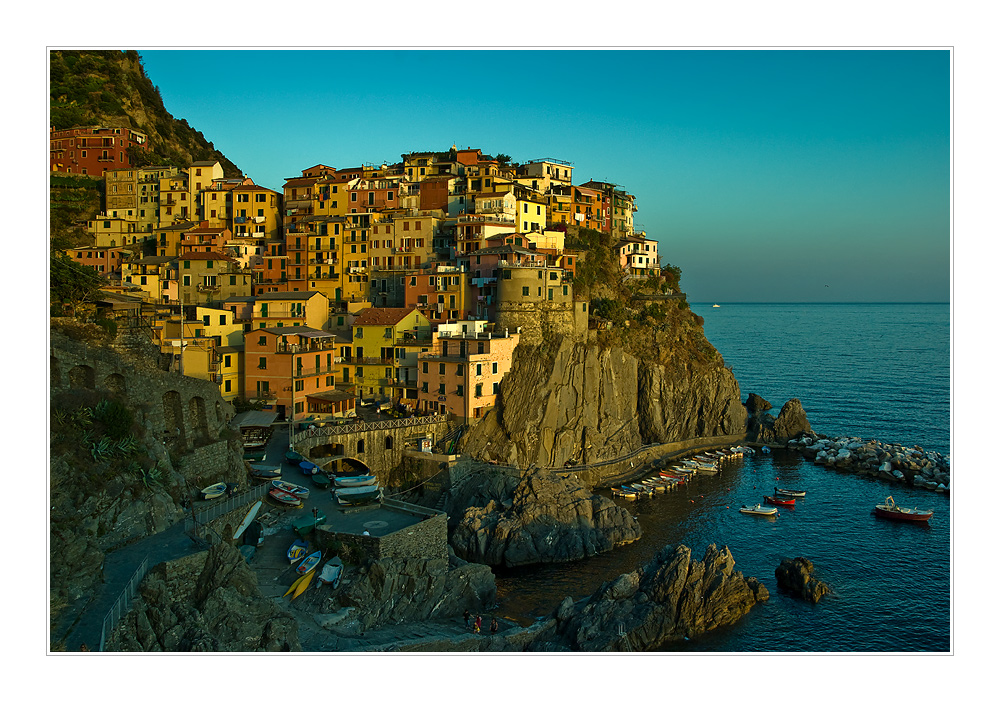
pixel 101 449
pixel 127 445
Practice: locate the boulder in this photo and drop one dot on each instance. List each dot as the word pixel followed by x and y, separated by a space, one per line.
pixel 795 576
pixel 791 421
pixel 669 598
pixel 756 404
pixel 548 518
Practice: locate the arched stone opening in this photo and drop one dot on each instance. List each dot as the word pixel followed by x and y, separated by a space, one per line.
pixel 116 384
pixel 361 446
pixel 197 418
pixel 388 443
pixel 173 421
pixel 81 377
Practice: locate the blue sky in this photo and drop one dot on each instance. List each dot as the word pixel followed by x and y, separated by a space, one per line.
pixel 766 175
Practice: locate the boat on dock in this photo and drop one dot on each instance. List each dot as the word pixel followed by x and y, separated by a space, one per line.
pixel 890 510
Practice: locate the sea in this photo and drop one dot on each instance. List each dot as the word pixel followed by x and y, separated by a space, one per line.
pixel 872 371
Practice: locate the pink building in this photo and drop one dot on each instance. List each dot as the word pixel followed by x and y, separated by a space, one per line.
pixel 462 373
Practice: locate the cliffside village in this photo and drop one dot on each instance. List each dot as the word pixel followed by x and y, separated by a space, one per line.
pixel 407 284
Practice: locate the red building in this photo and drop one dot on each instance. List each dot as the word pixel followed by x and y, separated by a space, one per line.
pixel 92 150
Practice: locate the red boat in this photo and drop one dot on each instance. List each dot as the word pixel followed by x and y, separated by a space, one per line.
pixel 284 498
pixel 890 510
pixel 780 500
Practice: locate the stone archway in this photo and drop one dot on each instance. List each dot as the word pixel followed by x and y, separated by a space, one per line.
pixel 81 377
pixel 198 419
pixel 173 421
pixel 116 384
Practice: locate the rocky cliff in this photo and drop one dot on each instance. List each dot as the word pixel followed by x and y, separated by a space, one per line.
pixel 206 602
pixel 576 402
pixel 546 518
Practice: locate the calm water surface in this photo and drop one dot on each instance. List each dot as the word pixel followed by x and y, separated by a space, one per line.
pixel 872 371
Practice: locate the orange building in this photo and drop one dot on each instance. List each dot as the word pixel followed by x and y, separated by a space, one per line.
pixel 294 371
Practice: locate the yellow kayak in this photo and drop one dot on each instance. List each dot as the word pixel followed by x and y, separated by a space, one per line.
pixel 303 583
pixel 294 585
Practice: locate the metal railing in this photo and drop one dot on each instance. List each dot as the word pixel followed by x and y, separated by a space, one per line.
pixel 368 426
pixel 201 517
pixel 123 602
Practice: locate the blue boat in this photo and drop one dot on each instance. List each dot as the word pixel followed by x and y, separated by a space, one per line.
pixel 298 550
pixel 354 481
pixel 308 467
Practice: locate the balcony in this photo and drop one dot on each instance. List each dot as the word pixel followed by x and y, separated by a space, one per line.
pixel 374 361
pixel 318 370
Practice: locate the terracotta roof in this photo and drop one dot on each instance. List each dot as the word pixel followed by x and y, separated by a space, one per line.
pixel 293 182
pixel 288 295
pixel 382 316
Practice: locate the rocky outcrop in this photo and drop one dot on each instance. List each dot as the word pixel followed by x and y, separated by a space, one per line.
pixel 547 518
pixel 764 428
pixel 206 602
pixel 399 590
pixel 795 576
pixel 913 466
pixel 583 403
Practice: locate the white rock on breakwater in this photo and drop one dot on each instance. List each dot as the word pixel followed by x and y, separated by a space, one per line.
pixel 911 465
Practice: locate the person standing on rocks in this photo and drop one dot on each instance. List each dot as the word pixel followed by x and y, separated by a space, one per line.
pixel 478 625
pixel 493 625
pixel 466 617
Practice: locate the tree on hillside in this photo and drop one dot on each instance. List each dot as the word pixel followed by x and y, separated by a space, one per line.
pixel 72 284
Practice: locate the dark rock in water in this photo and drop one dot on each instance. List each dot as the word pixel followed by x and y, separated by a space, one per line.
pixel 756 404
pixel 791 421
pixel 670 598
pixel 795 576
pixel 549 518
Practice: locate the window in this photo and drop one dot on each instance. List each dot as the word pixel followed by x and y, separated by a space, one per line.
pixel 496 388
pixel 481 347
pixel 262 363
pixel 459 369
pixel 300 385
pixel 425 367
pixel 262 340
pixel 479 369
pixel 460 390
pixel 479 390
pixel 229 386
pixel 524 291
pixel 227 361
pixel 494 368
pixel 441 389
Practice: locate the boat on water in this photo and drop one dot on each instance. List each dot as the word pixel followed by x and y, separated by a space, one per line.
pixel 716 305
pixel 759 510
pixel 213 491
pixel 686 470
pixel 782 492
pixel 627 495
pixel 332 572
pixel 890 510
pixel 291 488
pixel 765 449
pixel 297 551
pixel 309 562
pixel 283 498
pixel 358 495
pixel 354 480
pixel 779 500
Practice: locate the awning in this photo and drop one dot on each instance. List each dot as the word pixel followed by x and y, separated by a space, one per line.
pixel 331 396
pixel 253 419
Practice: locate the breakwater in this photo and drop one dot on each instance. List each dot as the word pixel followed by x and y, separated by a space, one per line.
pixel 914 466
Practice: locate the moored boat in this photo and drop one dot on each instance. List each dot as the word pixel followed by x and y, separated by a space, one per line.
pixel 309 562
pixel 332 572
pixel 354 480
pixel 291 488
pixel 759 510
pixel 358 495
pixel 780 500
pixel 890 510
pixel 282 497
pixel 782 492
pixel 297 551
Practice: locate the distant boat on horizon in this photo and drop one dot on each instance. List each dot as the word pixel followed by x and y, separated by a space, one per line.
pixel 716 305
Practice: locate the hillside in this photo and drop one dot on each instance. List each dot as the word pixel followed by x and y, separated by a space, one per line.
pixel 111 88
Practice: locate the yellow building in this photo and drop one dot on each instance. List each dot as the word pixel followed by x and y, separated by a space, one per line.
pixel 176 203
pixel 201 174
pixel 387 342
pixel 255 211
pixel 291 309
pixel 531 211
pixel 155 276
pixel 208 276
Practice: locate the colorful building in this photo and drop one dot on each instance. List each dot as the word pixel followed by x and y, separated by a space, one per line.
pixel 155 276
pixel 461 374
pixel 387 341
pixel 205 277
pixel 93 150
pixel 291 309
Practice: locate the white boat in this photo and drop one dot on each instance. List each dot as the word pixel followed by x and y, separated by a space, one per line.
pixel 759 510
pixel 358 495
pixel 354 480
pixel 291 488
pixel 332 572
pixel 213 491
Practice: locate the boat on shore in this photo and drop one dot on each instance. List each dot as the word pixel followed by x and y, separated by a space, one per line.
pixel 294 458
pixel 283 498
pixel 890 510
pixel 332 572
pixel 297 551
pixel 308 467
pixel 213 491
pixel 358 495
pixel 291 488
pixel 354 480
pixel 309 562
pixel 265 472
pixel 759 510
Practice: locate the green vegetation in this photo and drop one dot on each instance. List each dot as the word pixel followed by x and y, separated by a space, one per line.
pixel 71 284
pixel 111 88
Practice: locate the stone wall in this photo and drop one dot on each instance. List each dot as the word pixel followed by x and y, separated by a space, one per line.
pixel 425 539
pixel 183 412
pixel 539 321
